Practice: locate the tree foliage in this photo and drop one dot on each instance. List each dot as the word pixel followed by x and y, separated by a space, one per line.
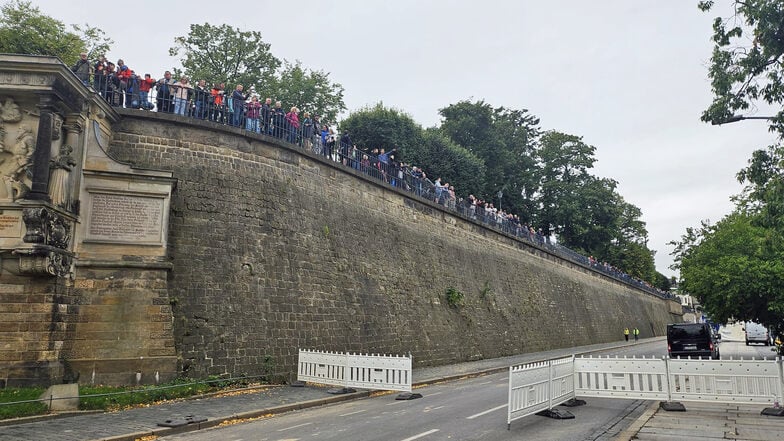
pixel 24 29
pixel 380 127
pixel 310 90
pixel 225 54
pixel 735 268
pixel 453 163
pixel 747 65
pixel 586 212
pixel 545 177
pixel 221 53
pixel 504 139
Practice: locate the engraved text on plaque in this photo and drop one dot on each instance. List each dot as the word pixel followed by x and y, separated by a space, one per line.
pixel 126 218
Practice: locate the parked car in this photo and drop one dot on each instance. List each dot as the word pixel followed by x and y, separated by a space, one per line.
pixel 756 333
pixel 692 340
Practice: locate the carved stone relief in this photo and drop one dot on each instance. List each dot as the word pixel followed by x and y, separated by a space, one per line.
pixel 59 183
pixel 18 127
pixel 15 162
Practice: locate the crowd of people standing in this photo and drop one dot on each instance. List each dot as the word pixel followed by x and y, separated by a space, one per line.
pixel 121 86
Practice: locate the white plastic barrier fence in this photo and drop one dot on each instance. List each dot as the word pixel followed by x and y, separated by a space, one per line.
pixel 322 367
pixel 534 387
pixel 364 371
pixel 726 381
pixel 635 378
pixel 387 372
pixel 720 381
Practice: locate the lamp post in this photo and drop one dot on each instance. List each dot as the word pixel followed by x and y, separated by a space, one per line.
pixel 736 118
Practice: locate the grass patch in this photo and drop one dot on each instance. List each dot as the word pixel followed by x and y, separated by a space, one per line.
pixel 454 298
pixel 11 395
pixel 114 398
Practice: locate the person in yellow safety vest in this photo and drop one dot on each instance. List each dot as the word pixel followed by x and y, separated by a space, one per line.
pixel 636 333
pixel 626 333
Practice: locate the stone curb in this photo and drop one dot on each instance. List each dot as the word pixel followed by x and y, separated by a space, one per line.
pixel 630 432
pixel 164 431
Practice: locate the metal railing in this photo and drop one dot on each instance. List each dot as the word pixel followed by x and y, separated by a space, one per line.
pixel 223 107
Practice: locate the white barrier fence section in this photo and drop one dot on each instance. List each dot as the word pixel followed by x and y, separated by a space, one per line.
pixel 365 371
pixel 539 386
pixel 534 387
pixel 726 381
pixel 719 381
pixel 322 367
pixel 387 372
pixel 635 378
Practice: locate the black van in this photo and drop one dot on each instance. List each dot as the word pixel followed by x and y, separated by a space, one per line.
pixel 692 339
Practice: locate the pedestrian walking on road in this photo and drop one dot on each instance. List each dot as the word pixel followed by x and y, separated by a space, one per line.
pixel 636 334
pixel 626 333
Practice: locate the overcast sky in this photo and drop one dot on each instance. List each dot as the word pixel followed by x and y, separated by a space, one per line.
pixel 629 76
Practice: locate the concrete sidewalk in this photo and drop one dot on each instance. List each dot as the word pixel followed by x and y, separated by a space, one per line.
pixel 706 421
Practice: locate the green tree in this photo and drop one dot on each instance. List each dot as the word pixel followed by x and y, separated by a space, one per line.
pixel 96 42
pixel 734 269
pixel 309 90
pixel 504 140
pixel 662 282
pixel 764 190
pixel 453 163
pixel 564 163
pixel 586 212
pixel 221 53
pixel 747 65
pixel 381 127
pixel 25 30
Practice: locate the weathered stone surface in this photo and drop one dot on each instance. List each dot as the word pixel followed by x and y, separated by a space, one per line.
pixel 274 249
pixel 60 397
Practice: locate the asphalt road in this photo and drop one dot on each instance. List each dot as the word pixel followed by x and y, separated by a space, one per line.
pixel 468 409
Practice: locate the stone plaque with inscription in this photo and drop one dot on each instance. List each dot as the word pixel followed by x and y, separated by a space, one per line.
pixel 11 224
pixel 126 218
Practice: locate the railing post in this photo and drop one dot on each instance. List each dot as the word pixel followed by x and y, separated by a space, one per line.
pixel 780 363
pixel 550 384
pixel 667 378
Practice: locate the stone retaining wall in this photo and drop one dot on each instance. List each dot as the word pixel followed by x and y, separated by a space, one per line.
pixel 274 249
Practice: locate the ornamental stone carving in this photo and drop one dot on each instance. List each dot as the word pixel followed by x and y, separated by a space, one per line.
pixel 46 227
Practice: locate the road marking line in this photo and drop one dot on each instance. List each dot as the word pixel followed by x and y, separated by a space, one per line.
pixel 294 427
pixel 486 382
pixel 486 412
pixel 354 413
pixel 434 393
pixel 421 435
pixel 395 402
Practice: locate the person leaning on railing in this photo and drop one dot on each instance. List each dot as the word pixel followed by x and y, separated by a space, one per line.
pixel 100 77
pixel 182 93
pixel 252 112
pixel 201 100
pixel 275 122
pixel 82 69
pixel 163 99
pixel 237 105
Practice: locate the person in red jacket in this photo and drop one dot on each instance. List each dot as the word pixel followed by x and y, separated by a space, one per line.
pixel 124 77
pixel 218 112
pixel 144 91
